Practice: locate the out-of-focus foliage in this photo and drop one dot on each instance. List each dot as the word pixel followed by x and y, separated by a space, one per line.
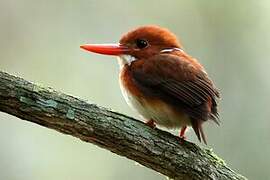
pixel 39 40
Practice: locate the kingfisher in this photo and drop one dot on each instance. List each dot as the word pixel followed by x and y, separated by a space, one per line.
pixel 164 84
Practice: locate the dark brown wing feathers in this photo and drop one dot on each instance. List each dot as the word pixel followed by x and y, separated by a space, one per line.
pixel 190 90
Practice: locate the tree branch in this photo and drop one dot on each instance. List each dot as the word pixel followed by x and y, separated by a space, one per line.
pixel 113 131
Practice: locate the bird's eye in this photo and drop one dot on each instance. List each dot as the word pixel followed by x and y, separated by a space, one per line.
pixel 141 43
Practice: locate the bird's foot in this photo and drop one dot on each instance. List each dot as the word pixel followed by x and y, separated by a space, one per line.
pixel 182 133
pixel 151 123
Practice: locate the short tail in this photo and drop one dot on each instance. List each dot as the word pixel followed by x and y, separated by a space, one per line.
pixel 198 129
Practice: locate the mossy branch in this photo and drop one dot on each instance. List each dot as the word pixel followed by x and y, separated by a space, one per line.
pixel 118 133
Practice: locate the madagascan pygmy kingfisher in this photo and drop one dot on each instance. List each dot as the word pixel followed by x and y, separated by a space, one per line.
pixel 161 81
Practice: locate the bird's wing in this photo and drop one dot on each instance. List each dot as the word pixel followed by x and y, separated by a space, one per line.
pixel 178 81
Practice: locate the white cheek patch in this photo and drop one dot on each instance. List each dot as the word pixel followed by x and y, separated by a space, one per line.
pixel 170 50
pixel 126 59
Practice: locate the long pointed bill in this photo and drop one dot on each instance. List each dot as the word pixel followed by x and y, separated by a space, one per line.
pixel 107 49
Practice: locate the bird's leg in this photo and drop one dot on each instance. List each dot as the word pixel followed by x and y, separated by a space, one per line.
pixel 151 123
pixel 182 132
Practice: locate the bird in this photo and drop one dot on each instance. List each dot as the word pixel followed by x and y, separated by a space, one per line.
pixel 164 84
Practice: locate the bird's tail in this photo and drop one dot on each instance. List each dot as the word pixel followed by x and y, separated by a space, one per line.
pixel 198 129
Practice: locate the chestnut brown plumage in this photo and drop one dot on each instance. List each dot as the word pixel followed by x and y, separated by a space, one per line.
pixel 163 83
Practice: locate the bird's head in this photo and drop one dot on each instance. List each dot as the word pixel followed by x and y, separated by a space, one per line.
pixel 140 43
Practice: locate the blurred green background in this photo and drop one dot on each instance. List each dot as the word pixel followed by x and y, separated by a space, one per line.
pixel 39 41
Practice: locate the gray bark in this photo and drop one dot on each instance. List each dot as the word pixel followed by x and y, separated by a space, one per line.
pixel 118 133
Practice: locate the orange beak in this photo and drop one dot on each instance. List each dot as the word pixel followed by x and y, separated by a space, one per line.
pixel 106 49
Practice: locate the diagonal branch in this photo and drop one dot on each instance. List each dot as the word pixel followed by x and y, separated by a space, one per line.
pixel 113 131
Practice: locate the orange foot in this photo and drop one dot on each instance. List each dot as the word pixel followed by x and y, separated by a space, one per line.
pixel 151 123
pixel 182 133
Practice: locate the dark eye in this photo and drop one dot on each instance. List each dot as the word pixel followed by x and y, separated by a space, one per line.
pixel 141 43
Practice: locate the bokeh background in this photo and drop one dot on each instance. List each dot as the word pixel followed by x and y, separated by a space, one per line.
pixel 39 41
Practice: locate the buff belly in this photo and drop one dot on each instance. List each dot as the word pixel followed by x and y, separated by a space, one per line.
pixel 157 110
